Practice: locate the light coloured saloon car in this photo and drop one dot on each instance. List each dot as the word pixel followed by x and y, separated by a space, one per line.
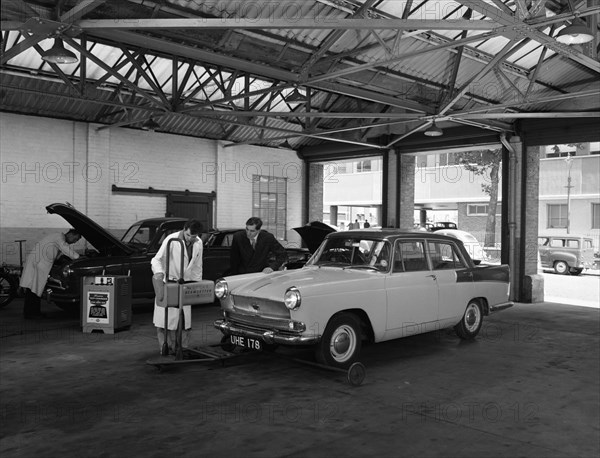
pixel 367 285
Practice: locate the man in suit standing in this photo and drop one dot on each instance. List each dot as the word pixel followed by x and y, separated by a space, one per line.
pixel 252 250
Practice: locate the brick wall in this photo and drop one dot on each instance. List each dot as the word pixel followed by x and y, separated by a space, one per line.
pixel 47 160
pixel 233 172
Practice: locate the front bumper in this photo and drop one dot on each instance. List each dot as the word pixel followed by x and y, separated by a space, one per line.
pixel 269 337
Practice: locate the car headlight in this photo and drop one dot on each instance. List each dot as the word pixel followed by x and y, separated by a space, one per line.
pixel 221 289
pixel 67 271
pixel 292 298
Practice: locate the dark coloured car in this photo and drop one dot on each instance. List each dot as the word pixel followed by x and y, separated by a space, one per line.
pixel 441 225
pixel 131 256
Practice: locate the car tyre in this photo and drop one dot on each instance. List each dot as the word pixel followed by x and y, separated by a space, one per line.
pixel 8 289
pixel 470 324
pixel 561 267
pixel 340 344
pixel 226 344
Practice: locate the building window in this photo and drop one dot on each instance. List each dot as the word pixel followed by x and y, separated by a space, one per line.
pixel 477 209
pixel 363 166
pixel 269 202
pixel 595 216
pixel 557 216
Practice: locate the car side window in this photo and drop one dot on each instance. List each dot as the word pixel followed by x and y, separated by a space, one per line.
pixel 572 243
pixel 227 240
pixel 165 233
pixel 543 241
pixel 444 255
pixel 557 243
pixel 409 256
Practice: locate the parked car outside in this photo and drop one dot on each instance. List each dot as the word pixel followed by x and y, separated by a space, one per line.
pixel 441 225
pixel 566 254
pixel 368 285
pixel 131 255
pixel 474 248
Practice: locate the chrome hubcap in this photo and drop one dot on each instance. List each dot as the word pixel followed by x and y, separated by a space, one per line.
pixel 472 317
pixel 343 343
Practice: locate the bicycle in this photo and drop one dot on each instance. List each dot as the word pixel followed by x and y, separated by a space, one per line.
pixel 9 279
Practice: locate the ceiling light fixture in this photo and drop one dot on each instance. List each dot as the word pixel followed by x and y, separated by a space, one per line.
pixel 295 97
pixel 57 54
pixel 434 131
pixel 575 33
pixel 150 124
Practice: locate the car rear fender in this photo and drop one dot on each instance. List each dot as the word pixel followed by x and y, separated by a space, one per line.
pixel 569 258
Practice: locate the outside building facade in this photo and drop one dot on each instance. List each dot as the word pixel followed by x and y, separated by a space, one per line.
pixel 569 199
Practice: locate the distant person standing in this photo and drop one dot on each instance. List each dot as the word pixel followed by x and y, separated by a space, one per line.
pixel 252 249
pixel 38 265
pixel 367 225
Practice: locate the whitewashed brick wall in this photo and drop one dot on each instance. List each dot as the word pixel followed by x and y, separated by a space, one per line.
pixel 48 160
pixel 233 174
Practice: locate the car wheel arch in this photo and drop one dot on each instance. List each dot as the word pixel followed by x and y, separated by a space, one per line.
pixel 484 304
pixel 367 332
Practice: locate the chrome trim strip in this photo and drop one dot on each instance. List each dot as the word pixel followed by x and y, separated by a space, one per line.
pixel 504 305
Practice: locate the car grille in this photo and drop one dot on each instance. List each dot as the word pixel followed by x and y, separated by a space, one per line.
pixel 54 283
pixel 260 323
pixel 261 307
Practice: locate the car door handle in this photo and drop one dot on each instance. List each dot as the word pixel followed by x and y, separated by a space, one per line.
pixel 433 276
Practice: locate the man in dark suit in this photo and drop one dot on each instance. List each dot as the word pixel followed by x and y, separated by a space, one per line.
pixel 252 250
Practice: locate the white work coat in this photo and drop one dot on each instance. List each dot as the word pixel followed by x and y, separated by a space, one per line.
pixel 192 271
pixel 40 260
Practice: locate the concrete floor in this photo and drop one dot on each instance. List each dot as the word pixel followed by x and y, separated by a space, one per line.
pixel 527 387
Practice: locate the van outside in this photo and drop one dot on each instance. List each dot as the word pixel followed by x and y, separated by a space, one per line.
pixel 566 254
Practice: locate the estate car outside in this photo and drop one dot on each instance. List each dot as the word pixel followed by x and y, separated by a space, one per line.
pixel 566 254
pixel 366 285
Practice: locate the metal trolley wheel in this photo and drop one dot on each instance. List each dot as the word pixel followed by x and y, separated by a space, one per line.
pixel 356 374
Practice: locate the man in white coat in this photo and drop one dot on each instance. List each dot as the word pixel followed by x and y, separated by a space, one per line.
pixel 192 271
pixel 38 265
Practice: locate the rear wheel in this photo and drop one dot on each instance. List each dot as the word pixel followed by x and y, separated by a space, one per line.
pixel 341 341
pixel 8 289
pixel 470 324
pixel 561 267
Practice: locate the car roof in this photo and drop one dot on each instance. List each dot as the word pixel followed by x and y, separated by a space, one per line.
pixel 570 236
pixel 389 234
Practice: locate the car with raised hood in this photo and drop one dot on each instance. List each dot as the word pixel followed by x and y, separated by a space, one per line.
pixel 368 285
pixel 131 255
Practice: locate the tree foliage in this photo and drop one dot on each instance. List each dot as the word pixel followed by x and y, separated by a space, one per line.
pixel 486 164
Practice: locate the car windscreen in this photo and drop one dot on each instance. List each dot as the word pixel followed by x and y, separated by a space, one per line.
pixel 140 235
pixel 353 252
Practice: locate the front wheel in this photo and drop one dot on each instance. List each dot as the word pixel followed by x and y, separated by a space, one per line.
pixel 470 324
pixel 8 289
pixel 561 267
pixel 341 342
